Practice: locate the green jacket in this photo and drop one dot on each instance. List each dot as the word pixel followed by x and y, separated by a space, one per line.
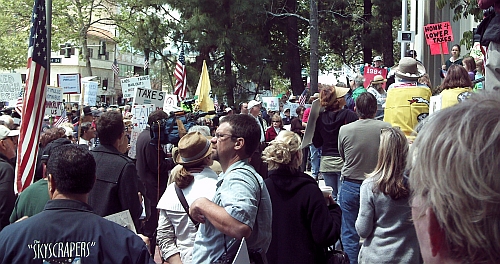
pixel 357 92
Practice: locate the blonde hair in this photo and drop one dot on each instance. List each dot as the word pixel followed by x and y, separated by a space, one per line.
pixel 282 151
pixel 391 164
pixel 455 168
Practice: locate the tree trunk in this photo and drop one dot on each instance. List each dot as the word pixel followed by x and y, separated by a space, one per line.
pixel 314 36
pixel 85 53
pixel 388 43
pixel 294 68
pixel 367 15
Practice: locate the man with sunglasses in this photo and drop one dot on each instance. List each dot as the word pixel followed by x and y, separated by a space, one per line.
pixel 241 206
pixel 8 144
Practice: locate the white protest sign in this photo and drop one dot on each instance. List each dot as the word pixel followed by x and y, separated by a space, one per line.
pixel 170 103
pixel 132 152
pixel 140 115
pixel 90 93
pixel 129 85
pixel 435 104
pixel 293 109
pixel 10 86
pixel 271 103
pixel 70 83
pixel 53 103
pixel 148 96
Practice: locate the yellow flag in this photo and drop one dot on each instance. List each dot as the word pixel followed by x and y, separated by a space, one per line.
pixel 204 102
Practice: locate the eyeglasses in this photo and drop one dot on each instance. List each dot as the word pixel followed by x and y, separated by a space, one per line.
pixel 220 136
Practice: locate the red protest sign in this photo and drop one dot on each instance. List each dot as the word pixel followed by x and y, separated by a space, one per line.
pixel 438 33
pixel 370 72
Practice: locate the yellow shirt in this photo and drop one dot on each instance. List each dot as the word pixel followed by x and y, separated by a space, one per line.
pixel 451 97
pixel 406 106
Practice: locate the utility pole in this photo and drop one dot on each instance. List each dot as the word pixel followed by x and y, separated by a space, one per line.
pixel 404 18
pixel 48 14
pixel 314 36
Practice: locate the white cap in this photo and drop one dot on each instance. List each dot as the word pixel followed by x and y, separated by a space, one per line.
pixel 253 103
pixel 5 132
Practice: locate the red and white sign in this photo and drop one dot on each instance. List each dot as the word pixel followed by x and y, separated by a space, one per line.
pixel 370 72
pixel 438 33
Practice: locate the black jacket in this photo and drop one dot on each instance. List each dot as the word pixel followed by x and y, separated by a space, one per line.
pixel 326 133
pixel 303 226
pixel 7 196
pixel 117 184
pixel 147 157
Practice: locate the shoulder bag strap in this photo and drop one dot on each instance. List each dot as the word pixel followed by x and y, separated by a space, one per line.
pixel 184 203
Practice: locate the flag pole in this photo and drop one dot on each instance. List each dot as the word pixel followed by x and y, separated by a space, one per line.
pixel 48 10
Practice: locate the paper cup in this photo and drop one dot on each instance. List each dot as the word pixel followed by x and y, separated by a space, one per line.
pixel 326 190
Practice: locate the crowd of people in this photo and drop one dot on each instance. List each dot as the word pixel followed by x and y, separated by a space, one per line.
pixel 412 179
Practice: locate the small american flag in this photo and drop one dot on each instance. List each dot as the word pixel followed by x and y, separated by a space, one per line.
pixel 303 97
pixel 180 74
pixel 115 68
pixel 62 119
pixel 146 63
pixel 19 104
pixel 34 98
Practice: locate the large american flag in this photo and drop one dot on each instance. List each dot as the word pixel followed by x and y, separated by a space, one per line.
pixel 34 98
pixel 303 97
pixel 115 68
pixel 180 76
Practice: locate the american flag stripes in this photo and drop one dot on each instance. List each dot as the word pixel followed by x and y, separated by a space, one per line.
pixel 115 68
pixel 180 76
pixel 62 119
pixel 303 97
pixel 19 104
pixel 34 98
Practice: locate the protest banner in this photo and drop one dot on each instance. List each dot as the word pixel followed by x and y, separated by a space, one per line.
pixel 10 86
pixel 90 92
pixel 140 114
pixel 437 37
pixel 271 103
pixel 293 109
pixel 129 85
pixel 370 72
pixel 70 83
pixel 53 102
pixel 148 96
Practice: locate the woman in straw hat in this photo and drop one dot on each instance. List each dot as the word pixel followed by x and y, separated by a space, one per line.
pixel 305 221
pixel 376 88
pixel 176 231
pixel 327 132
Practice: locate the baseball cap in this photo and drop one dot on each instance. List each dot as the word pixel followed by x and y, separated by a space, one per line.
pixel 253 103
pixel 5 132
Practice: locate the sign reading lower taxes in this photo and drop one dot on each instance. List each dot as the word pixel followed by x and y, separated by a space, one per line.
pixel 129 85
pixel 438 33
pixel 149 96
pixel 70 83
pixel 53 103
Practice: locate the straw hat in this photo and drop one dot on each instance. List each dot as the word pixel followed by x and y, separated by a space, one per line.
pixel 409 69
pixel 378 79
pixel 192 148
pixel 341 91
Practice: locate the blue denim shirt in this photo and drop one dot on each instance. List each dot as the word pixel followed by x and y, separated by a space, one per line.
pixel 238 193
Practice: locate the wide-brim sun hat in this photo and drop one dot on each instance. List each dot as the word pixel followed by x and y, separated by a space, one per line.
pixel 341 91
pixel 409 69
pixel 378 79
pixel 192 148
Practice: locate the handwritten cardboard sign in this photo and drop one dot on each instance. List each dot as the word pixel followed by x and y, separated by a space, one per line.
pixel 129 85
pixel 90 93
pixel 53 102
pixel 438 33
pixel 10 86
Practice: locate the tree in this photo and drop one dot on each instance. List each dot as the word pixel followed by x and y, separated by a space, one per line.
pixel 463 8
